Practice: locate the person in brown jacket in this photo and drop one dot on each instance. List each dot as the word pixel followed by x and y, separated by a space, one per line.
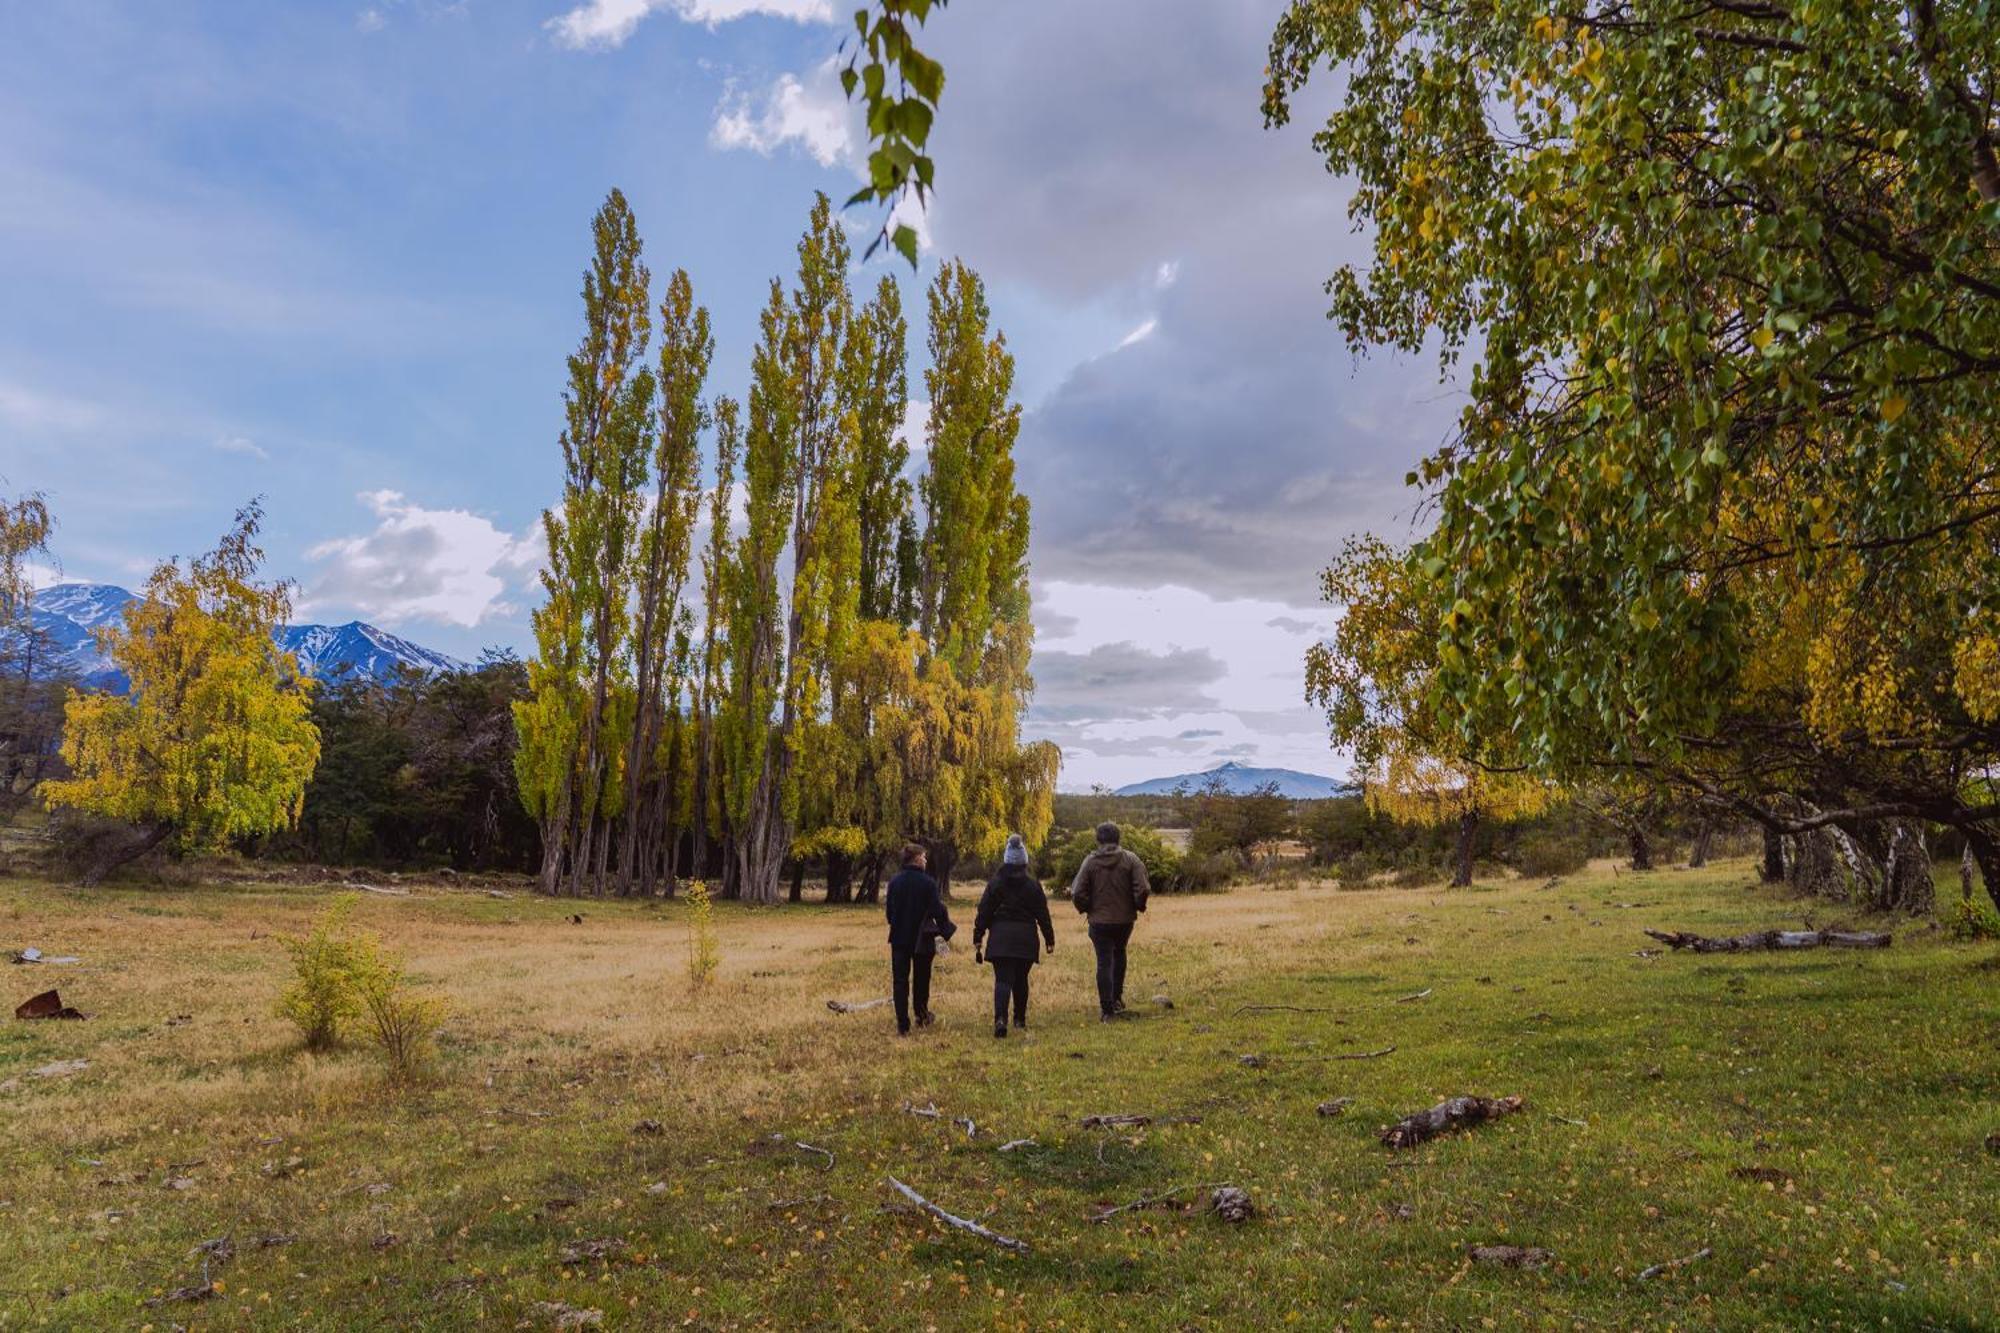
pixel 1110 889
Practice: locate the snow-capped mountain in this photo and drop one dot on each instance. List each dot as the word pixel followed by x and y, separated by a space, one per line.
pixel 357 648
pixel 1238 780
pixel 69 612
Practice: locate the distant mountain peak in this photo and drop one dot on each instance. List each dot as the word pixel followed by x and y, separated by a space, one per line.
pixel 69 613
pixel 1242 779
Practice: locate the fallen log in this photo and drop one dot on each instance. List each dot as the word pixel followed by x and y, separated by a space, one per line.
pixel 1452 1113
pixel 843 1007
pixel 962 1223
pixel 1758 940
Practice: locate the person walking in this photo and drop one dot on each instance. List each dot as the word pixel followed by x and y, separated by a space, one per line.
pixel 1011 911
pixel 1110 889
pixel 918 919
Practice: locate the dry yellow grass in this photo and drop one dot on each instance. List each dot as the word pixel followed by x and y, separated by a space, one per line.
pixel 565 1036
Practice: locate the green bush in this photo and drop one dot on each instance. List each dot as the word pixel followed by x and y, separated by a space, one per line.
pixel 341 979
pixel 322 998
pixel 1544 855
pixel 1973 919
pixel 403 1023
pixel 1164 865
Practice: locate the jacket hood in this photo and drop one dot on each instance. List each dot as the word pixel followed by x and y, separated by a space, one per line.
pixel 1110 851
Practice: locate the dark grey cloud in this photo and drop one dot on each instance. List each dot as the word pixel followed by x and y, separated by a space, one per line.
pixel 1197 734
pixel 1233 445
pixel 1292 625
pixel 1120 682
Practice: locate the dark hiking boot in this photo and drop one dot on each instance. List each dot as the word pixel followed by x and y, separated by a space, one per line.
pixel 1020 1025
pixel 1000 1029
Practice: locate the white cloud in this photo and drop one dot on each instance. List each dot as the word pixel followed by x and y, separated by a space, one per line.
pixel 1140 334
pixel 447 565
pixel 1141 683
pixel 814 114
pixel 916 420
pixel 32 409
pixel 370 20
pixel 1167 274
pixel 238 444
pixel 602 24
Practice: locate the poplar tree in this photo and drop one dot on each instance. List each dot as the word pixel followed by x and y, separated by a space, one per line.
pixel 755 662
pixel 658 633
pixel 971 780
pixel 711 681
pixel 569 726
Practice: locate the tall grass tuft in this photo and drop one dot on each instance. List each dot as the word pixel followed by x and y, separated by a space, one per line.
pixel 704 954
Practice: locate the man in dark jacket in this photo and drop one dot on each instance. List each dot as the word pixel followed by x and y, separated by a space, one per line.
pixel 917 920
pixel 1110 889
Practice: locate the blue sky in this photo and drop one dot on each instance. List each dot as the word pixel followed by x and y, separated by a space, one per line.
pixel 330 253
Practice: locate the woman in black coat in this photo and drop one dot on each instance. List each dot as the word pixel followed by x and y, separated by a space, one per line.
pixel 1011 912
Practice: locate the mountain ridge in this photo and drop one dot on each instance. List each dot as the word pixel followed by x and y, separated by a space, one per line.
pixel 1240 780
pixel 69 613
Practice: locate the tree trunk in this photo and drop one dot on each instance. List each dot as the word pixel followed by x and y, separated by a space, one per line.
pixel 839 877
pixel 798 893
pixel 1468 825
pixel 871 880
pixel 125 854
pixel 1642 848
pixel 1698 856
pixel 1908 883
pixel 1985 849
pixel 943 856
pixel 1773 869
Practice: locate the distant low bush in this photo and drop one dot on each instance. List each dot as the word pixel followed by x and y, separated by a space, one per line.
pixel 1544 855
pixel 1164 865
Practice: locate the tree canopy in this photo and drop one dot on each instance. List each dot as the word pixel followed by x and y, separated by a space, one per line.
pixel 1721 506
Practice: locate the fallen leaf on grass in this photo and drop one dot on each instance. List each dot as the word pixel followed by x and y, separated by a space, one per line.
pixel 591 1251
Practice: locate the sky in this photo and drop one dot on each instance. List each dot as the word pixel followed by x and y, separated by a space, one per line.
pixel 330 254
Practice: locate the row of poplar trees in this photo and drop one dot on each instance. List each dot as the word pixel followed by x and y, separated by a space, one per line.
pixel 848 669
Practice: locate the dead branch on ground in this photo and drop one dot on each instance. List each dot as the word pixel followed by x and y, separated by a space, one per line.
pixel 1758 940
pixel 1647 1274
pixel 962 1223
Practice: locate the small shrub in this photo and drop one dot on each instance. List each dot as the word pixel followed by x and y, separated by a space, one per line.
pixel 703 952
pixel 323 997
pixel 1975 920
pixel 1544 856
pixel 1202 873
pixel 1357 870
pixel 1059 860
pixel 403 1023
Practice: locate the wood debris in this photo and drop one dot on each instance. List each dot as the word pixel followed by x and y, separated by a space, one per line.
pixel 1452 1113
pixel 1758 940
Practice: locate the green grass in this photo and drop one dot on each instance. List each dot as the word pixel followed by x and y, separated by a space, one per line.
pixel 1868 1079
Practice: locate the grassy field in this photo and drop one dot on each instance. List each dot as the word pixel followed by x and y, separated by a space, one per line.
pixel 1859 1085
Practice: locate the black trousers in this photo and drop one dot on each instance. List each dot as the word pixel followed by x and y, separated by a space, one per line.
pixel 1110 942
pixel 1010 985
pixel 910 971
